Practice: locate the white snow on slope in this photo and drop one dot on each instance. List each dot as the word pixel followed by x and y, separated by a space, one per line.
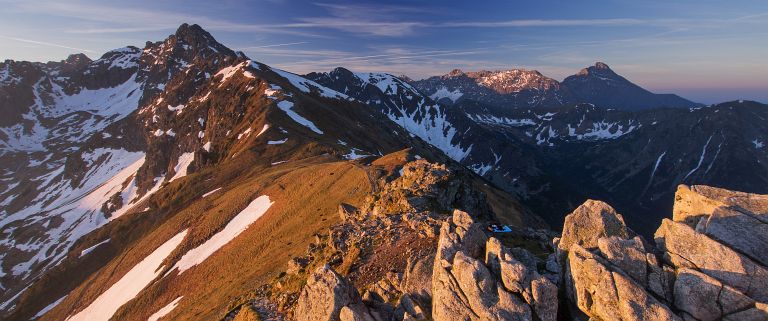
pixel 130 285
pixel 263 129
pixel 207 146
pixel 277 142
pixel 78 209
pixel 758 144
pixel 237 225
pixel 165 310
pixel 90 249
pixel 120 100
pixel 287 107
pixel 307 85
pixel 355 153
pixel 701 158
pixel 48 308
pixel 181 165
pixel 656 166
pixel 443 92
pixel 211 192
pixel 435 130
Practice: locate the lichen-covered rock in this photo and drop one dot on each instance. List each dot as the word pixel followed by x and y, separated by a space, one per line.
pixel 588 223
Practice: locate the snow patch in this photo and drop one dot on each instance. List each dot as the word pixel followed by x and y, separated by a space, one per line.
pixel 287 107
pixel 165 310
pixel 182 164
pixel 90 249
pixel 443 92
pixel 130 285
pixel 237 225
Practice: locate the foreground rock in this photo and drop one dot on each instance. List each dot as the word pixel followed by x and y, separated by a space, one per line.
pixel 708 263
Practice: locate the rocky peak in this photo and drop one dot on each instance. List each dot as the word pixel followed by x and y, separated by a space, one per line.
pixel 77 60
pixel 454 73
pixel 513 80
pixel 600 69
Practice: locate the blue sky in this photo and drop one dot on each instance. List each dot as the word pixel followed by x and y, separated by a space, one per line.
pixel 707 51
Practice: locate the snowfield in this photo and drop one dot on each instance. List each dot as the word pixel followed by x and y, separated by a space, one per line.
pixel 130 285
pixel 237 225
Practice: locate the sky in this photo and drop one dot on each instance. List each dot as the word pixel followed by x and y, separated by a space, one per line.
pixel 707 51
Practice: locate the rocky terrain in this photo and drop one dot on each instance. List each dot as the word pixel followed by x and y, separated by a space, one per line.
pixel 706 263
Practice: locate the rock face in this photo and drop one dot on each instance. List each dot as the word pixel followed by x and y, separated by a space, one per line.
pixel 707 264
pixel 478 278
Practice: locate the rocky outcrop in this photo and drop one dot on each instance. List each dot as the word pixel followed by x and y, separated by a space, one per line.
pixel 701 268
pixel 478 278
pixel 707 263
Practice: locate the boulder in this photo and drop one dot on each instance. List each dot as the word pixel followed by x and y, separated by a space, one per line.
pixel 544 298
pixel 325 295
pixel 588 223
pixel 686 248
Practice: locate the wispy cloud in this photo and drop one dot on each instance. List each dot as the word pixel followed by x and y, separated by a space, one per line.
pixel 43 43
pixel 275 45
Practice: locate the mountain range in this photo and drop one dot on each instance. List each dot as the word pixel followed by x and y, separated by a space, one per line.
pixel 180 177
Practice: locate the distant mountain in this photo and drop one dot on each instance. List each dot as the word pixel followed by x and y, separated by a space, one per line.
pixel 601 86
pixel 520 88
pixel 515 88
pixel 556 157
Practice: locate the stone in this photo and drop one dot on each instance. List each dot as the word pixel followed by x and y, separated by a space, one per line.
pixel 544 299
pixel 627 255
pixel 246 313
pixel 705 298
pixel 636 304
pixel 740 231
pixel 588 223
pixel 590 285
pixel 756 204
pixel 355 312
pixel 690 206
pixel 324 296
pixel 686 248
pixel 346 211
pixel 661 279
pixel 296 264
pixel 417 280
pixel 609 295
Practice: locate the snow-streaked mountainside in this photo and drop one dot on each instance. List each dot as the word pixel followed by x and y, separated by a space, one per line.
pixel 174 181
pixel 119 171
pixel 505 90
pixel 556 156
